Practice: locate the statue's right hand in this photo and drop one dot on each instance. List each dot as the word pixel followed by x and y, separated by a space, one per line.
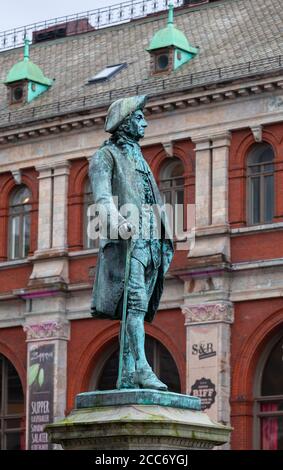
pixel 126 230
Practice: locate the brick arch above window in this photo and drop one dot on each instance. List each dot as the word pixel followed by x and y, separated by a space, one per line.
pixel 78 174
pixel 184 153
pixel 7 186
pixel 17 363
pixel 77 178
pixel 241 143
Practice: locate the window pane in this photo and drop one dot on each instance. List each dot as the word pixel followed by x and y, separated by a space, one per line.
pixel 268 198
pixel 89 241
pixel 271 406
pixel 261 153
pixel 255 200
pixel 272 382
pixel 15 398
pixel 166 197
pixel 179 182
pixel 15 237
pixel 13 441
pixel 254 169
pixel 180 197
pixel 87 189
pixel 26 235
pixel 168 370
pixel 12 423
pixel 268 168
pixel 20 196
pixel 165 184
pixel 108 377
pixel 177 170
pixel 272 433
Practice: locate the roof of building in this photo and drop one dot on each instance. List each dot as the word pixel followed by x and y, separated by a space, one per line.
pixel 227 33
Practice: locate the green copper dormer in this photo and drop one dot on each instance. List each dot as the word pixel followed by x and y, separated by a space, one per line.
pixel 169 47
pixel 26 80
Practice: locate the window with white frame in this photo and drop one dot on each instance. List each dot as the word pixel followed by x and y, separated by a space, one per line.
pixel 260 177
pixel 19 223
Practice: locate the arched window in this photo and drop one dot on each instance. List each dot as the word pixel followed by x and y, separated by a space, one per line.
pixel 269 403
pixel 105 374
pixel 19 223
pixel 89 243
pixel 11 407
pixel 171 186
pixel 260 173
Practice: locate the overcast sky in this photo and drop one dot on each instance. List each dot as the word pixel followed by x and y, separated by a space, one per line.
pixel 16 13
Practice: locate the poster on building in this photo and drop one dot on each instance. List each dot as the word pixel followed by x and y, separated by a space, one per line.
pixel 41 391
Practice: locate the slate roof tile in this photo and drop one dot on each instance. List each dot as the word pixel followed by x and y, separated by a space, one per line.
pixel 228 32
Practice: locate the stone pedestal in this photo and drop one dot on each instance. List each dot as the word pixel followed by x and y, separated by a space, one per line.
pixel 138 420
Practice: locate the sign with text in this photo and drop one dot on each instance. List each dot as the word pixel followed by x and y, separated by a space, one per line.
pixel 41 393
pixel 205 390
pixel 203 350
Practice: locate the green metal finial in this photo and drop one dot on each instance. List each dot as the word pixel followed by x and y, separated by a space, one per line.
pixel 26 49
pixel 171 14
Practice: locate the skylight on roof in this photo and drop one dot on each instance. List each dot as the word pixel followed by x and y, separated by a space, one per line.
pixel 107 73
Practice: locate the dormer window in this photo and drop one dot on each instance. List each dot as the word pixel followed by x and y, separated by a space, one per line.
pixel 25 80
pixel 169 48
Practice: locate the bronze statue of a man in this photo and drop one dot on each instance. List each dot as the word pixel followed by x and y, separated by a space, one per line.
pixel 120 177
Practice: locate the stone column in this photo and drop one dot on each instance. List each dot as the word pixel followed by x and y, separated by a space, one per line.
pixel 46 378
pixel 208 356
pixel 60 205
pixel 211 227
pixel 45 207
pixel 50 259
pixel 53 205
pixel 220 162
pixel 203 181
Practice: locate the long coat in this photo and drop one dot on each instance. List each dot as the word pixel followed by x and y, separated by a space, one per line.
pixel 112 172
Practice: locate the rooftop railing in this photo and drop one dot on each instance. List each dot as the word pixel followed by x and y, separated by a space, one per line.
pixel 152 87
pixel 94 19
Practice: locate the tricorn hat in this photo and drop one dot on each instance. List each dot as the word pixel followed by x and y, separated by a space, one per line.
pixel 122 108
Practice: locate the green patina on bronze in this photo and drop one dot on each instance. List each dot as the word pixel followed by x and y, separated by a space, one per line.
pixel 140 397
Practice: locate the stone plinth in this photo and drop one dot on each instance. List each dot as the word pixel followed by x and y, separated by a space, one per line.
pixel 137 419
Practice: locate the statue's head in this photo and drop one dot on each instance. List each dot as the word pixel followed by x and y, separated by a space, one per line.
pixel 126 115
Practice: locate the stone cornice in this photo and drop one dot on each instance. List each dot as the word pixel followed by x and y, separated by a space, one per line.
pixel 160 104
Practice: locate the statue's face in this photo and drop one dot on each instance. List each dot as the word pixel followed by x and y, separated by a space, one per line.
pixel 136 125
